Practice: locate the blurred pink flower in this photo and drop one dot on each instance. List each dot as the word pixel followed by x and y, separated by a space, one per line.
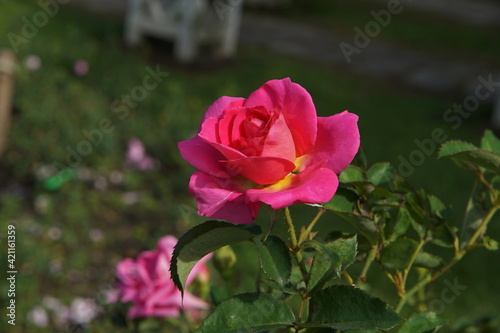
pixel 81 67
pixel 136 156
pixel 83 310
pixel 38 316
pixel 111 295
pixel 146 283
pixel 33 62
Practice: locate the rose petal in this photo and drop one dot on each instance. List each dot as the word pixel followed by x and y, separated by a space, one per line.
pixel 203 157
pixel 163 266
pixel 125 269
pixel 227 152
pixel 296 105
pixel 165 312
pixel 225 126
pixel 262 170
pixel 337 142
pixel 192 302
pixel 146 265
pixel 163 294
pixel 313 185
pixel 221 199
pixel 218 107
pixel 279 141
pixel 167 244
pixel 199 267
pixel 138 311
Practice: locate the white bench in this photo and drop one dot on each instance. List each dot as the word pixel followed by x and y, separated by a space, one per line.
pixel 188 23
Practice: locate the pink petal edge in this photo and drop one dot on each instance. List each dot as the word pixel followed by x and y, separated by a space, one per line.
pixel 313 185
pixel 221 199
pixel 337 142
pixel 297 106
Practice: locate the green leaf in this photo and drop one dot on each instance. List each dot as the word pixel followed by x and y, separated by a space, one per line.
pixel 365 225
pixel 251 312
pixel 349 308
pixel 453 147
pixel 490 142
pixel 330 260
pixel 344 200
pixel 326 263
pixel 275 259
pixel 351 174
pixel 346 248
pixel 443 236
pixel 422 322
pixel 397 255
pixel 476 210
pixel 490 244
pixel 381 173
pixel 470 153
pixel 418 216
pixel 403 221
pixel 289 288
pixel 425 259
pixel 438 208
pixel 200 241
pixel 367 189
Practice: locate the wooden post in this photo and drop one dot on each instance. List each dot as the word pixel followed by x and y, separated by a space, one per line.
pixel 7 69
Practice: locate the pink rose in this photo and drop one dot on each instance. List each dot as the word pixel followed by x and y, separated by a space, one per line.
pixel 146 283
pixel 81 67
pixel 137 157
pixel 270 148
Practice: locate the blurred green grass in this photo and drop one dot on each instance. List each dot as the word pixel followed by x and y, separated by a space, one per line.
pixel 53 106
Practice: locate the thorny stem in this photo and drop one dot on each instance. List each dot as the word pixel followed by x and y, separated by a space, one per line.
pixel 412 291
pixel 348 278
pixel 301 310
pixel 480 176
pixel 294 243
pixel 371 256
pixel 311 225
pixel 481 228
pixel 291 228
pixel 410 264
pixel 433 277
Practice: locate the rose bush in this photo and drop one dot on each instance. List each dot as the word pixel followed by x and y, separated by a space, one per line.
pixel 146 283
pixel 269 148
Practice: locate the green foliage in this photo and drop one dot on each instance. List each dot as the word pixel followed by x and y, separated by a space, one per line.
pixel 252 312
pixel 349 308
pixel 275 259
pixel 202 240
pixel 352 174
pixel 471 154
pixel 399 254
pixel 381 173
pixel 422 322
pixel 490 142
pixel 401 223
pixel 329 261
